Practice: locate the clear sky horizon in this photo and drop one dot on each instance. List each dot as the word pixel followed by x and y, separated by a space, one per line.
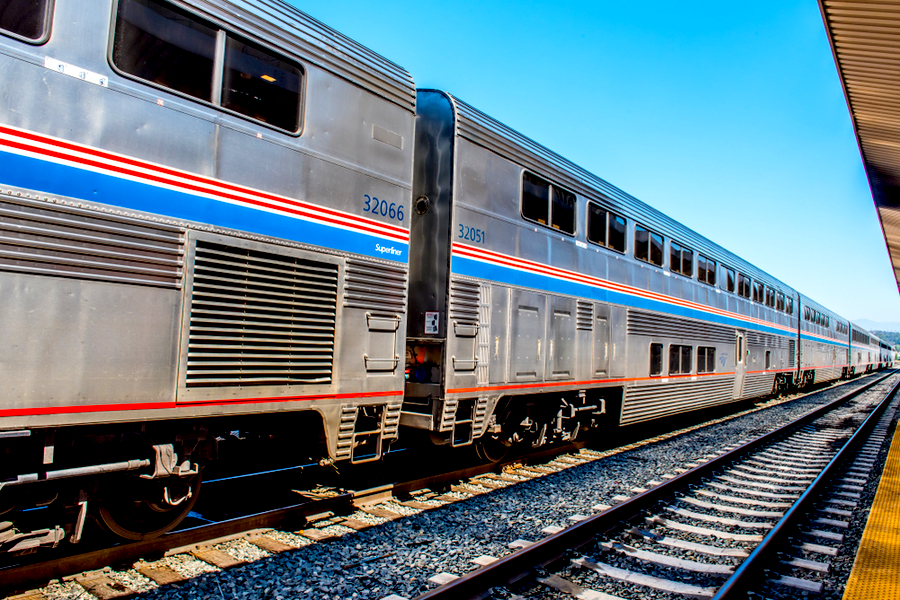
pixel 729 117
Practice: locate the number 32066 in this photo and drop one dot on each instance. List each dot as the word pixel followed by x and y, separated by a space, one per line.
pixel 383 208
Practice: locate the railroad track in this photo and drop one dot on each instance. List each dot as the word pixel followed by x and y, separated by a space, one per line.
pixel 310 518
pixel 715 530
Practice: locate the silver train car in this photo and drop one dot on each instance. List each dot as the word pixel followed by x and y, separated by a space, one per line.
pixel 204 211
pixel 222 220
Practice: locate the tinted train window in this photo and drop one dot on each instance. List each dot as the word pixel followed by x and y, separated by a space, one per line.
pixel 563 210
pixel 605 228
pixel 706 359
pixel 170 47
pixel 679 359
pixel 656 359
pixel 758 292
pixel 648 246
pixel 261 85
pixel 29 19
pixel 770 297
pixel 535 198
pixel 706 270
pixel 166 46
pixel 729 281
pixel 681 259
pixel 743 285
pixel 536 205
pixel 779 301
pixel 790 306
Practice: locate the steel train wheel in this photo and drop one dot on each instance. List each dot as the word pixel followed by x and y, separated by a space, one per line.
pixel 142 509
pixel 490 449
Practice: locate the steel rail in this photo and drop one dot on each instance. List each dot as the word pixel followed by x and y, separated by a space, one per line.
pixel 742 578
pixel 519 564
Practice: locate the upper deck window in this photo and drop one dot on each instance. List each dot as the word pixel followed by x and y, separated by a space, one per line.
pixel 706 270
pixel 26 19
pixel 605 228
pixel 743 286
pixel 729 280
pixel 536 205
pixel 165 45
pixel 779 301
pixel 648 246
pixel 681 260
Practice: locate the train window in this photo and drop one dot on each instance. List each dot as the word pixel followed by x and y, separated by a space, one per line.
pixel 806 313
pixel 679 359
pixel 681 260
pixel 730 281
pixel 165 45
pixel 537 206
pixel 706 270
pixel 562 212
pixel 616 232
pixel 262 85
pixel 605 228
pixel 596 228
pixel 26 19
pixel 770 297
pixel 790 306
pixel 706 359
pixel 779 301
pixel 535 198
pixel 648 246
pixel 758 292
pixel 656 359
pixel 743 285
pixel 768 359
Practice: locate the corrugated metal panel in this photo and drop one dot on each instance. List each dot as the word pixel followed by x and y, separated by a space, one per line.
pixel 260 319
pixel 646 402
pixel 374 286
pixel 485 131
pixel 43 238
pixel 865 40
pixel 287 28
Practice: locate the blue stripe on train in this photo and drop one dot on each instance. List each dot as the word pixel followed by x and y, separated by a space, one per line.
pixel 64 180
pixel 502 274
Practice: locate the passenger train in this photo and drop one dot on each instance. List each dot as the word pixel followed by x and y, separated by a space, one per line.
pixel 221 219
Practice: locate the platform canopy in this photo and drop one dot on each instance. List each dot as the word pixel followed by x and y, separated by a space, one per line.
pixel 865 40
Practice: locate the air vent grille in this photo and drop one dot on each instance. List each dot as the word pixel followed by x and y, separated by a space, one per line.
pixel 375 287
pixel 41 238
pixel 260 318
pixel 584 318
pixel 659 325
pixel 464 301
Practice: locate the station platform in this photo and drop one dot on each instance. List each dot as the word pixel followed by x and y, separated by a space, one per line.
pixel 876 570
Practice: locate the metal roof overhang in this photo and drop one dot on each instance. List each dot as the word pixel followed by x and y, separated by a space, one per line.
pixel 865 41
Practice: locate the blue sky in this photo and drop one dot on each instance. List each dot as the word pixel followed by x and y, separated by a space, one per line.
pixel 729 117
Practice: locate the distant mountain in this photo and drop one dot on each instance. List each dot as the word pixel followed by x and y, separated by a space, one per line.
pixel 875 325
pixel 891 337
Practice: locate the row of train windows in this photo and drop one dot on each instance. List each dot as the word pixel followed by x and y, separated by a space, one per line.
pixel 842 328
pixel 552 206
pixel 814 316
pixel 861 338
pixel 162 44
pixel 680 359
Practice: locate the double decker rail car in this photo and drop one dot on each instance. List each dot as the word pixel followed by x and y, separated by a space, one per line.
pixel 203 219
pixel 222 221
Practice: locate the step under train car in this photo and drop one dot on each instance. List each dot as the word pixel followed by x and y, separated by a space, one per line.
pixel 544 300
pixel 204 211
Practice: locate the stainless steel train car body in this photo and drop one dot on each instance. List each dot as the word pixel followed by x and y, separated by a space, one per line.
pixel 120 195
pixel 526 309
pixel 864 350
pixel 824 343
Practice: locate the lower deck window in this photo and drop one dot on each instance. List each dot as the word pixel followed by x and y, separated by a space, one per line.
pixel 656 359
pixel 679 359
pixel 706 359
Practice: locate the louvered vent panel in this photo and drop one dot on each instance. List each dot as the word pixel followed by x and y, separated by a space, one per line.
pixel 375 286
pixel 657 325
pixel 646 402
pixel 584 318
pixel 260 319
pixel 769 341
pixel 792 351
pixel 464 301
pixel 50 239
pixel 758 384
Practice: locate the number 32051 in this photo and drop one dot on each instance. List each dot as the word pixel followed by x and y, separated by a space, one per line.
pixel 472 234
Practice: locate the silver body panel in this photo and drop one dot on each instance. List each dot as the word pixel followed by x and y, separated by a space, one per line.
pixel 81 350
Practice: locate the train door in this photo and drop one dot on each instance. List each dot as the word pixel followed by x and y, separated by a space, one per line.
pixel 740 364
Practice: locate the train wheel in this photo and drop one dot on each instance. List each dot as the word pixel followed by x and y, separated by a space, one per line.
pixel 490 449
pixel 142 509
